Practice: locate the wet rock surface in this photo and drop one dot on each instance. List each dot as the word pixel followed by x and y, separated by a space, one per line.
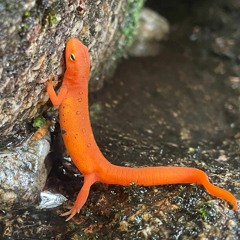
pixel 179 108
pixel 23 173
pixel 32 41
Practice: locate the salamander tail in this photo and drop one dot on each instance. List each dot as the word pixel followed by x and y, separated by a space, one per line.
pixel 149 176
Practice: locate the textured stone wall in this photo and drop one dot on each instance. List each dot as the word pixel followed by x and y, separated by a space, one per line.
pixel 32 41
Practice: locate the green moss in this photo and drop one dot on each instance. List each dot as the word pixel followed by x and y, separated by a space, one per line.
pixel 128 31
pixel 27 14
pixel 181 187
pixel 52 16
pixel 38 122
pixel 53 19
pixel 23 27
pixel 206 211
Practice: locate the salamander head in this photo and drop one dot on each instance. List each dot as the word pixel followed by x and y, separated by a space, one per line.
pixel 77 62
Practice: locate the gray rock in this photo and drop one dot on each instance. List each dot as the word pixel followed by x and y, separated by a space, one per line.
pixel 23 173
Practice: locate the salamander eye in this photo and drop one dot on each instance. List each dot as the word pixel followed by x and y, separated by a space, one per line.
pixel 72 57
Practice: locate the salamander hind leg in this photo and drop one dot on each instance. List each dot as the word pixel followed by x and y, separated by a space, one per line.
pixel 82 196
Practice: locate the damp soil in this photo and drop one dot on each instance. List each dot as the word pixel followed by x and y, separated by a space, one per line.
pixel 178 108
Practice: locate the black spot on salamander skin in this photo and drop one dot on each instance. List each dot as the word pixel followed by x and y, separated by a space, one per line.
pixel 75 136
pixel 63 131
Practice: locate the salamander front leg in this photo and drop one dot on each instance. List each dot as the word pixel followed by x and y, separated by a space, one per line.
pixel 82 196
pixel 55 99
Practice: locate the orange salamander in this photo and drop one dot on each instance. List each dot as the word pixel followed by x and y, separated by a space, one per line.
pixel 72 100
